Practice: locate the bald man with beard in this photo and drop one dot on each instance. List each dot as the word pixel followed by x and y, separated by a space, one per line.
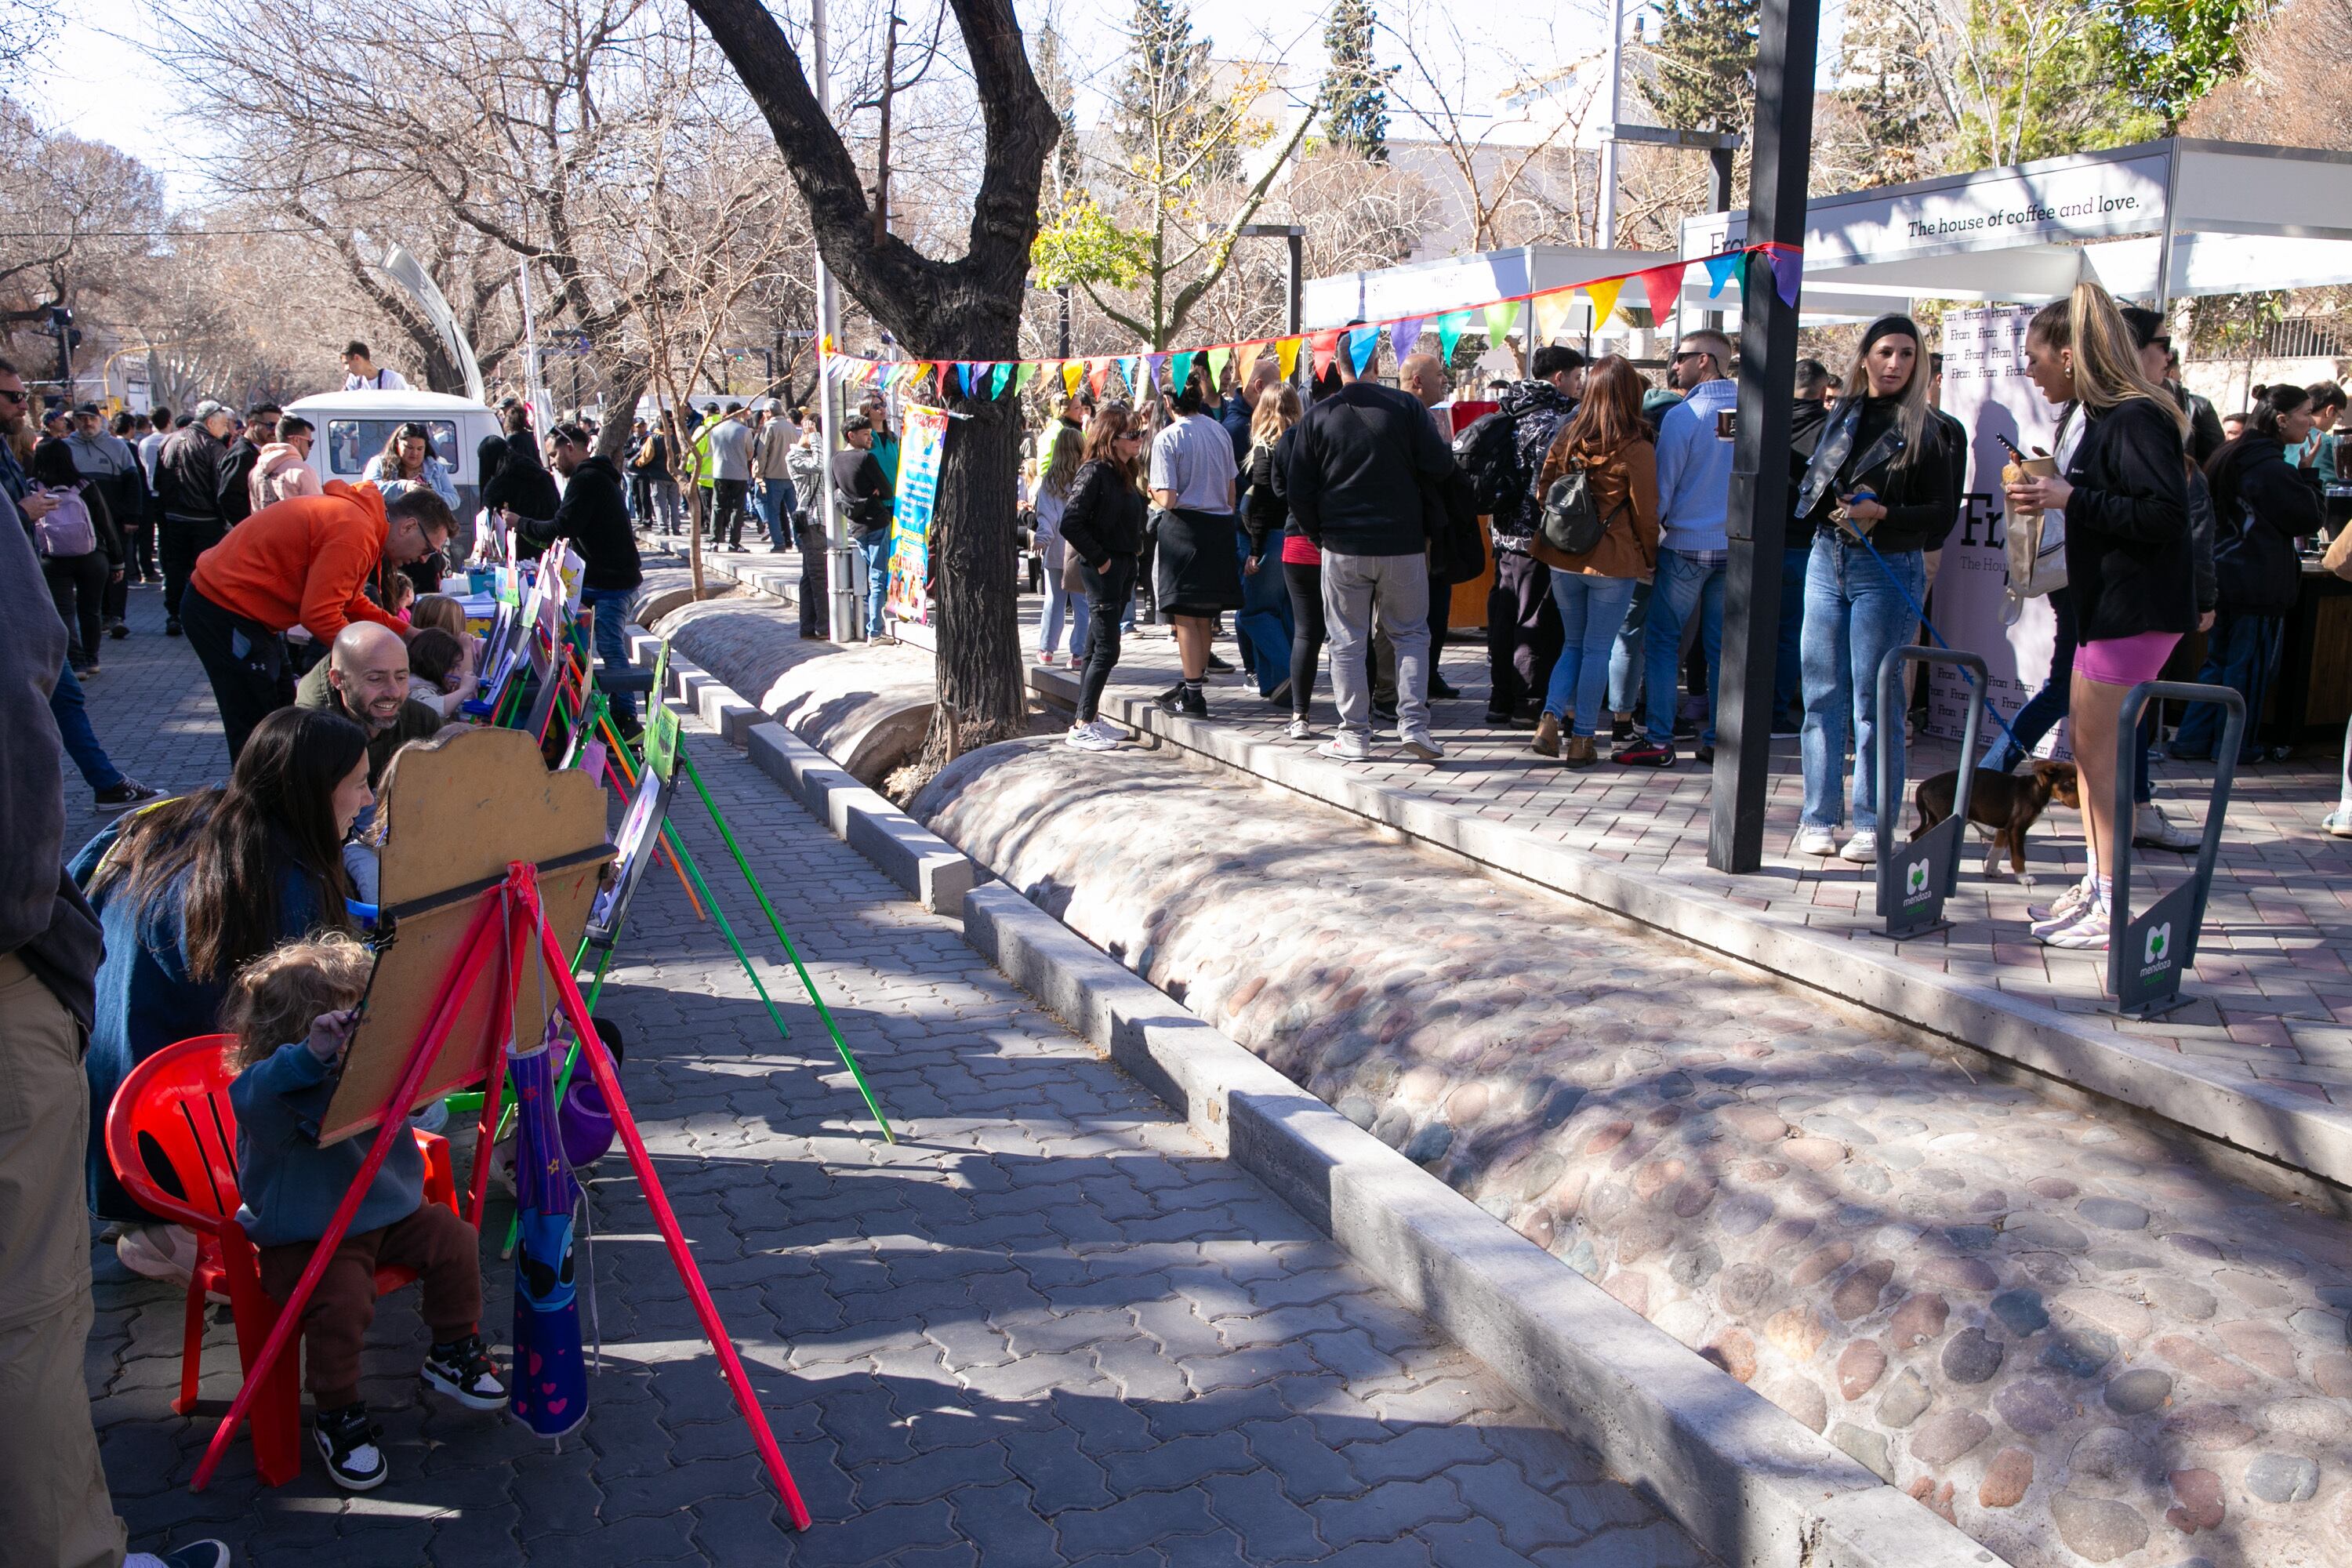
pixel 364 677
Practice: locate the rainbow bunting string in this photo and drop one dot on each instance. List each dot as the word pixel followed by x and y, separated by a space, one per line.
pixel 1547 312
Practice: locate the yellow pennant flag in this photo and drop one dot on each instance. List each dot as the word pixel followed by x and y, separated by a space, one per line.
pixel 1604 295
pixel 1218 359
pixel 1285 356
pixel 1552 314
pixel 1071 371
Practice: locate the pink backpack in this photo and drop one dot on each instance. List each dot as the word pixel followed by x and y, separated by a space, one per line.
pixel 67 531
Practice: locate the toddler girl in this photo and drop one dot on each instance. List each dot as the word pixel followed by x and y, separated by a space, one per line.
pixel 292 1010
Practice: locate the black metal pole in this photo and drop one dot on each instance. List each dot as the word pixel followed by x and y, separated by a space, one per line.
pixel 1718 200
pixel 1297 271
pixel 1788 36
pixel 1065 292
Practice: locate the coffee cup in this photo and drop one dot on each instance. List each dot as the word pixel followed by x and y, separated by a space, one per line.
pixel 2032 468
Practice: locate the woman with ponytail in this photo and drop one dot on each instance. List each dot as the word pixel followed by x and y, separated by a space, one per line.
pixel 2122 492
pixel 2263 504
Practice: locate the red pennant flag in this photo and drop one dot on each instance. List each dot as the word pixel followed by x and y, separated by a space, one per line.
pixel 1326 344
pixel 1663 285
pixel 1101 368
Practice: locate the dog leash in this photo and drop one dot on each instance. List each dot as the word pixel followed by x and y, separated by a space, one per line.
pixel 2023 749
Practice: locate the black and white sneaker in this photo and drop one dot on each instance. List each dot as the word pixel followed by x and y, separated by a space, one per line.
pixel 351 1443
pixel 466 1373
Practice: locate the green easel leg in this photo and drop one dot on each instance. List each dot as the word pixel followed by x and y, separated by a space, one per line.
pixel 775 922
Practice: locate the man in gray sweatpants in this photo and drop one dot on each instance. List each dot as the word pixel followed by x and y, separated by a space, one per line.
pixel 1361 463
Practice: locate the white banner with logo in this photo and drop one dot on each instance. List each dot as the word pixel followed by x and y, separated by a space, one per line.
pixel 1986 390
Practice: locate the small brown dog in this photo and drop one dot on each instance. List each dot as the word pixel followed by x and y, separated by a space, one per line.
pixel 2003 804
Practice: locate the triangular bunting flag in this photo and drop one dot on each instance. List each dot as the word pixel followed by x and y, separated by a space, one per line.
pixel 1663 285
pixel 1285 357
pixel 1131 370
pixel 1450 328
pixel 1721 270
pixel 1363 346
pixel 1071 370
pixel 998 374
pixel 1218 359
pixel 1098 369
pixel 1151 363
pixel 1499 320
pixel 1404 337
pixel 1551 311
pixel 1603 293
pixel 963 376
pixel 1180 370
pixel 1250 356
pixel 1324 344
pixel 1023 376
pixel 1788 275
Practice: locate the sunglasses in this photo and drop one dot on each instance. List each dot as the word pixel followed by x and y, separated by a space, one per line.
pixel 19 395
pixel 1692 353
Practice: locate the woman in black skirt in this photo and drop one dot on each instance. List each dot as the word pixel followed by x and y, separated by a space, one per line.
pixel 1198 575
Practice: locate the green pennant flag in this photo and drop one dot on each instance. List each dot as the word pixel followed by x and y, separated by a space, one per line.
pixel 1022 377
pixel 1179 371
pixel 997 378
pixel 1499 318
pixel 1217 361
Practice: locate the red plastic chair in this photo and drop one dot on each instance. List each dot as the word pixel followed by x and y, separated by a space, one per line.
pixel 171 1122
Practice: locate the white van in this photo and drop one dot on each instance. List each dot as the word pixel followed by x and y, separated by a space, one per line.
pixel 352 427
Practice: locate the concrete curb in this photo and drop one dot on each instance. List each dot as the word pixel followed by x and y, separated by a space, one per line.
pixel 2277 1124
pixel 1747 1480
pixel 933 872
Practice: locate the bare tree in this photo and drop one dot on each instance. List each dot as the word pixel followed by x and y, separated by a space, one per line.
pixel 965 309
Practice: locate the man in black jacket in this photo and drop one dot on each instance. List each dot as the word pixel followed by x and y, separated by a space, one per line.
pixel 594 515
pixel 1354 483
pixel 237 467
pixel 862 490
pixel 187 485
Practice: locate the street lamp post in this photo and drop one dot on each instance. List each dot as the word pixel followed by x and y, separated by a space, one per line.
pixel 1757 518
pixel 845 568
pixel 1296 235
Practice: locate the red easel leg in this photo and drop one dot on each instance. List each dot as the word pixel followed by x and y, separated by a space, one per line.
pixel 592 1046
pixel 515 941
pixel 428 1046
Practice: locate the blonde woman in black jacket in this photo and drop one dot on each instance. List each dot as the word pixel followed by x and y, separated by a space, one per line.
pixel 1102 525
pixel 2122 490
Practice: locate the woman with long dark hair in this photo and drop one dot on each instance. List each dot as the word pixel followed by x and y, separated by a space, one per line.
pixel 408 458
pixel 2123 489
pixel 1878 491
pixel 1102 525
pixel 190 890
pixel 1607 442
pixel 2262 506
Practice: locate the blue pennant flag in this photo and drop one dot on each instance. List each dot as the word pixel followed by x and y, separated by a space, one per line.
pixel 1722 270
pixel 1364 342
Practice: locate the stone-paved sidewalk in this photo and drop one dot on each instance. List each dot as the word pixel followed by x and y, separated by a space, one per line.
pixel 2275 1012
pixel 1044 1327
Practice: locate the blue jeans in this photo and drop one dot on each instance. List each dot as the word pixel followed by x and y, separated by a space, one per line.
pixel 774 498
pixel 611 607
pixel 876 548
pixel 2241 652
pixel 97 769
pixel 1592 609
pixel 1625 658
pixel 1788 665
pixel 1264 624
pixel 1854 612
pixel 1062 604
pixel 1684 587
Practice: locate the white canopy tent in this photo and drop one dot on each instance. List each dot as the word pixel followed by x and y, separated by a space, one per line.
pixel 2156 222
pixel 1456 282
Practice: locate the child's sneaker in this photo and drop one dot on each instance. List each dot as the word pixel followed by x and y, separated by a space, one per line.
pixel 348 1440
pixel 466 1373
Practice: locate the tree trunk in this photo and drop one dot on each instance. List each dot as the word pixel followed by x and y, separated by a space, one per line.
pixel 974 567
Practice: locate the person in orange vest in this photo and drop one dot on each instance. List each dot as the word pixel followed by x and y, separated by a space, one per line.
pixel 308 562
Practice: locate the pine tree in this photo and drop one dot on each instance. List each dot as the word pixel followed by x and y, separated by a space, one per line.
pixel 1702 65
pixel 1053 81
pixel 1164 97
pixel 1355 89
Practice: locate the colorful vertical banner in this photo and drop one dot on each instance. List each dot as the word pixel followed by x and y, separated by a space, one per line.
pixel 916 486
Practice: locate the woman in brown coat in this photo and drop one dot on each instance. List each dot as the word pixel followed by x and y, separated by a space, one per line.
pixel 1609 442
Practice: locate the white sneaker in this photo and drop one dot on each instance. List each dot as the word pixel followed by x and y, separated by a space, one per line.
pixel 167 1252
pixel 1089 738
pixel 2151 827
pixel 1300 730
pixel 2070 904
pixel 2087 929
pixel 1346 747
pixel 2339 822
pixel 1423 746
pixel 1816 841
pixel 1862 849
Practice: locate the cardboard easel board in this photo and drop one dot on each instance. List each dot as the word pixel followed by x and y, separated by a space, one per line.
pixel 479 800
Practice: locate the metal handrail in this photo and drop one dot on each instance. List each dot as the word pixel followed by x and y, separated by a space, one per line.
pixel 1914 884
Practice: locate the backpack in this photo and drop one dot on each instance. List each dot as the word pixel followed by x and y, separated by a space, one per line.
pixel 67 531
pixel 1488 453
pixel 1571 525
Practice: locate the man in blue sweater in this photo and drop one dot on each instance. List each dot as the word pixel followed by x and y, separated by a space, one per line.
pixel 1693 494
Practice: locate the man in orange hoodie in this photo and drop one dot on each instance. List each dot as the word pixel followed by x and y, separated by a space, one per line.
pixel 306 562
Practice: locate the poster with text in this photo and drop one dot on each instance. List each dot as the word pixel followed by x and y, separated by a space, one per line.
pixel 1986 390
pixel 916 486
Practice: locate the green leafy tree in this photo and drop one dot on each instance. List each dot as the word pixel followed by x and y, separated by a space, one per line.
pixel 1701 72
pixel 2176 51
pixel 1355 100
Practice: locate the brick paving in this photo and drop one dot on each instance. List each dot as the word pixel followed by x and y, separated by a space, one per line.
pixel 1045 1326
pixel 2274 992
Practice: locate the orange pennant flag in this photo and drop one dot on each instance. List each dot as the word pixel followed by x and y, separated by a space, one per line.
pixel 1095 378
pixel 1552 314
